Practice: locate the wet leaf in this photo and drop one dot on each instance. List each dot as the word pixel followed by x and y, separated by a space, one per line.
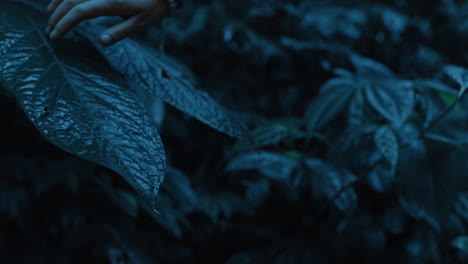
pixel 158 76
pixel 76 101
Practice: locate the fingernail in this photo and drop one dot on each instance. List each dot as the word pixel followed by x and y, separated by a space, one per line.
pixel 54 34
pixel 47 31
pixel 49 7
pixel 106 39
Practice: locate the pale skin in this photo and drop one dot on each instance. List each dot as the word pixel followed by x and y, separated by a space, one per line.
pixel 66 14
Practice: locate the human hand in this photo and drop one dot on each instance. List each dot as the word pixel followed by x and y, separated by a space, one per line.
pixel 68 13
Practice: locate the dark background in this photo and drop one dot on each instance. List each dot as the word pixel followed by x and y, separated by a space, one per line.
pixel 265 61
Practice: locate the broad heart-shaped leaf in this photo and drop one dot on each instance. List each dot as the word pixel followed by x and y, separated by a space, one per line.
pixel 158 77
pixel 76 101
pixel 392 98
pixel 458 74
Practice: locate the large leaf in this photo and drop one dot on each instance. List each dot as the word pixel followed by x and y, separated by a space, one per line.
pixel 76 101
pixel 160 77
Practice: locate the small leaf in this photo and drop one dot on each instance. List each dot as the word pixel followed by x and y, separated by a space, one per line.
pixel 387 143
pixel 393 99
pixel 331 102
pixel 458 74
pixel 429 177
pixel 125 201
pixel 368 68
pixel 356 111
pixel 224 204
pixel 178 186
pixel 272 165
pixel 461 206
pixel 381 176
pixel 333 183
pixel 461 243
pixel 435 85
pixel 257 192
pixel 271 133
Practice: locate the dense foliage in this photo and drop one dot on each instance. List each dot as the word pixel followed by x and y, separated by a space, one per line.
pixel 356 148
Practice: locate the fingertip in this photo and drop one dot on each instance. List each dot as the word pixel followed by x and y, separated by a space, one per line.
pixel 106 39
pixel 54 34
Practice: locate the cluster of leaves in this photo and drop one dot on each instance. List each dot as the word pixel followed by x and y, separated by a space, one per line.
pixel 85 107
pixel 356 112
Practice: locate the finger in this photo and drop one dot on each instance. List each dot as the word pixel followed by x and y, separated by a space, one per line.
pixel 61 10
pixel 78 13
pixel 53 5
pixel 123 30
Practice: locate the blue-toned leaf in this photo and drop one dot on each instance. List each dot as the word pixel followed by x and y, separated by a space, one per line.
pixel 435 85
pixel 356 110
pixel 257 191
pixel 332 101
pixel 461 243
pixel 332 20
pixel 428 182
pixel 381 176
pixel 461 206
pixel 272 133
pixel 160 77
pixel 76 101
pixel 333 183
pixel 387 143
pixel 393 99
pixel 178 186
pixel 458 74
pixel 368 68
pixel 272 165
pixel 220 204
